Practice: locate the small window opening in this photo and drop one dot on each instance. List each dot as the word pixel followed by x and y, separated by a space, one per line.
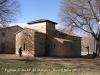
pixel 62 35
pixel 54 45
pixel 24 46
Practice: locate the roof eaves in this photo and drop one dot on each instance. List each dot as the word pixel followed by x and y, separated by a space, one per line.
pixel 41 20
pixel 10 27
pixel 68 33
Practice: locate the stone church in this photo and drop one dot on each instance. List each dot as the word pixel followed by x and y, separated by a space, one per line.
pixel 40 39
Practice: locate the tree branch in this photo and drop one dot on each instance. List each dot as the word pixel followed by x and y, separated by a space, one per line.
pixel 93 11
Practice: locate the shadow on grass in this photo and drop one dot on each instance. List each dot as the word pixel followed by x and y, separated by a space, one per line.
pixel 90 56
pixel 85 61
pixel 30 59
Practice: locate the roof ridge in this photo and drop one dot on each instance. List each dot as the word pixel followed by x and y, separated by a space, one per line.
pixel 11 27
pixel 41 20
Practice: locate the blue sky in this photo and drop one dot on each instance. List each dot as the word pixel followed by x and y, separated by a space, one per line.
pixel 39 9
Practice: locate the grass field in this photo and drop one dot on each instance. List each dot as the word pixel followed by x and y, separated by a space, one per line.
pixel 36 67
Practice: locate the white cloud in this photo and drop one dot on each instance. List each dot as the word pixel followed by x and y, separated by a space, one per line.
pixel 58 26
pixel 20 24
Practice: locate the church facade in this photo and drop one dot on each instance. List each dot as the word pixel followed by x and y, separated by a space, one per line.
pixel 42 39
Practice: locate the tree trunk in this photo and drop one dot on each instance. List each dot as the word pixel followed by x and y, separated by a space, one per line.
pixel 97 53
pixel 98 50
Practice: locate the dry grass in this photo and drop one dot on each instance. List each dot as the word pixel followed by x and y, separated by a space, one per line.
pixel 49 66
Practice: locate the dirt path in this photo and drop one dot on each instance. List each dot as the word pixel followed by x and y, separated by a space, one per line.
pixel 11 56
pixel 67 62
pixel 74 62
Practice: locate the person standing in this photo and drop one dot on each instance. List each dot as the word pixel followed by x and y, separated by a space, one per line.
pixel 20 51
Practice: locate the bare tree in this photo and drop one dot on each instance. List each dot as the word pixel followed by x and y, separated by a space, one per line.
pixel 8 11
pixel 82 15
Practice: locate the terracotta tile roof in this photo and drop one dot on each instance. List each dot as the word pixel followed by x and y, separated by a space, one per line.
pixel 69 33
pixel 62 40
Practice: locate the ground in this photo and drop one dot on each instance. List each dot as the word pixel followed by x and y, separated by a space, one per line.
pixel 81 66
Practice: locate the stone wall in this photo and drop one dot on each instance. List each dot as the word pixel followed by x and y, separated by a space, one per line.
pixel 76 46
pixel 60 47
pixel 76 42
pixel 8 39
pixel 40 44
pixel 41 27
pixel 31 41
pixel 50 29
pixel 67 49
pixel 25 39
pixel 44 27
